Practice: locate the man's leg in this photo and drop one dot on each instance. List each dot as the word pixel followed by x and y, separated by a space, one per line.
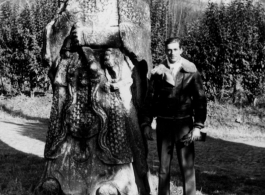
pixel 165 146
pixel 186 156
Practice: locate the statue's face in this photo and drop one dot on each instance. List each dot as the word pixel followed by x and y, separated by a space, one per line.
pixel 173 52
pixel 109 59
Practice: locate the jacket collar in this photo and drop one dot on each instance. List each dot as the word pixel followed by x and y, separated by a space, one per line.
pixel 186 65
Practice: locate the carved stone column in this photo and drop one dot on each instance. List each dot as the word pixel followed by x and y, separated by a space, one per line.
pixel 99 54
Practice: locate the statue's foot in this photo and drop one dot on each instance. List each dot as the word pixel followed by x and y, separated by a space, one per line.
pixel 107 189
pixel 49 187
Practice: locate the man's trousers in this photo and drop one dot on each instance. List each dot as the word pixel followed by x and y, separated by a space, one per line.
pixel 169 132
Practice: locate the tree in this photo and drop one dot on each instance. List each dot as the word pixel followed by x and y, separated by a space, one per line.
pixel 227 43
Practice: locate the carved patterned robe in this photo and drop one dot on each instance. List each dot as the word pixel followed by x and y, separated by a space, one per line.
pixel 134 32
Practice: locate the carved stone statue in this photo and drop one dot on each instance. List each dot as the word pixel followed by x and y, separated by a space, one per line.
pixel 99 54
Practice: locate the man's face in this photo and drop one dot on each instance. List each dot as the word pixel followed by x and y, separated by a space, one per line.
pixel 173 52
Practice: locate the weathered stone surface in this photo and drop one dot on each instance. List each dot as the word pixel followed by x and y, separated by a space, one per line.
pixel 99 54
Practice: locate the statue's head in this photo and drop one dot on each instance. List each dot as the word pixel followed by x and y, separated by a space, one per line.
pixel 112 57
pixel 91 62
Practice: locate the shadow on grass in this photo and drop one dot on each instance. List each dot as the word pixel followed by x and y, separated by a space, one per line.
pixel 32 130
pixel 19 113
pixel 20 172
pixel 222 167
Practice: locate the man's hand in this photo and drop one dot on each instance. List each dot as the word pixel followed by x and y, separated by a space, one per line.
pixel 148 132
pixel 192 136
pixel 195 133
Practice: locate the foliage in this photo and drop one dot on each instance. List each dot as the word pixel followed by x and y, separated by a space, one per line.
pixel 225 42
pixel 169 19
pixel 228 44
pixel 21 41
pixel 158 27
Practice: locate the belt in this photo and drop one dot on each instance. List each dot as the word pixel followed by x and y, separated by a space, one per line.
pixel 174 118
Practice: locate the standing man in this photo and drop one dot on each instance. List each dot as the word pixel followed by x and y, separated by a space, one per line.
pixel 176 97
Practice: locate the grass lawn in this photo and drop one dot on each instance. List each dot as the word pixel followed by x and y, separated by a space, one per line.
pixel 230 162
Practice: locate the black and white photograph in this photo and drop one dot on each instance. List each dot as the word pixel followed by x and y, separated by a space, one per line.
pixel 132 97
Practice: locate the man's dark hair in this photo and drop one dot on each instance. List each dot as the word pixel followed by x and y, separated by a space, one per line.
pixel 174 40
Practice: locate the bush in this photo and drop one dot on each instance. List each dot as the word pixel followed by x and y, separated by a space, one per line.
pixel 227 44
pixel 21 37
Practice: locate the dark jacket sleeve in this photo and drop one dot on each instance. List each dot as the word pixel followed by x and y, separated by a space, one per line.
pixel 146 112
pixel 199 101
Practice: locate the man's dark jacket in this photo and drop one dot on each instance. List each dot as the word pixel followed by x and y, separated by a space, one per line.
pixel 185 99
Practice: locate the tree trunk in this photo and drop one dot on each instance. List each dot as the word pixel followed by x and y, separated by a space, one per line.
pixel 3 88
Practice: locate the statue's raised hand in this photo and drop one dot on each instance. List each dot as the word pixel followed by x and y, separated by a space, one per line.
pixel 77 34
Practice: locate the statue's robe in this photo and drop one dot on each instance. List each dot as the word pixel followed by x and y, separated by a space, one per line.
pixel 134 33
